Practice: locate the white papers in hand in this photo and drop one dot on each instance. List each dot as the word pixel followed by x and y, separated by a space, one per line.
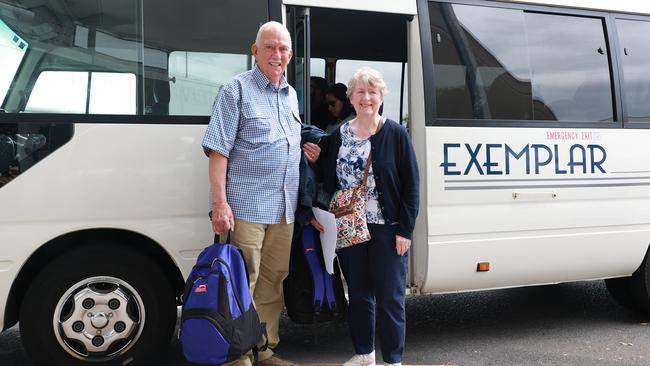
pixel 328 237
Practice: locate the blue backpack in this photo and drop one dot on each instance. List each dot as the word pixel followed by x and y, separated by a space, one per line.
pixel 218 322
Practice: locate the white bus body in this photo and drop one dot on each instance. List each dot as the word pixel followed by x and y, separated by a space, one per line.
pixel 533 165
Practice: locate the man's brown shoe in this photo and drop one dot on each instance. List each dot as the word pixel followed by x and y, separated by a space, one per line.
pixel 275 361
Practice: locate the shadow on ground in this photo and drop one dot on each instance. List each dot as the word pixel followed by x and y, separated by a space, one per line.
pixel 442 329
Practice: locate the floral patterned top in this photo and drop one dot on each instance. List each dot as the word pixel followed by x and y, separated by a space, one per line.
pixel 350 163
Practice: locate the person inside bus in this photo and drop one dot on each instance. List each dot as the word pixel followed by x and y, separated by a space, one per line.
pixel 320 115
pixel 253 145
pixel 375 270
pixel 338 105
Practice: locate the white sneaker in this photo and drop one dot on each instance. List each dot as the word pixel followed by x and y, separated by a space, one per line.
pixel 361 360
pixel 393 364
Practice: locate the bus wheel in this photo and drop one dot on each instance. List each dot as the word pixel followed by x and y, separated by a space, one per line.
pixel 101 305
pixel 640 286
pixel 633 292
pixel 620 290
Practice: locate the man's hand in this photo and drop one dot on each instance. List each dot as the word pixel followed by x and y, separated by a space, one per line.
pixel 317 225
pixel 402 245
pixel 222 218
pixel 311 151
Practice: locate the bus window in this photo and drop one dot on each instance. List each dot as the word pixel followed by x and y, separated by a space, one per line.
pixel 635 53
pixel 59 92
pixel 496 63
pixel 12 51
pixel 392 73
pixel 62 39
pixel 317 67
pixel 195 46
pixel 196 76
pixel 569 60
pixel 112 93
pixel 67 92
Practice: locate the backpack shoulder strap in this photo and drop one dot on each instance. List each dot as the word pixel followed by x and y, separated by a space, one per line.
pixel 308 237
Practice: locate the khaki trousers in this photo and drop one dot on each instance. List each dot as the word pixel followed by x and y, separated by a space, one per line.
pixel 266 249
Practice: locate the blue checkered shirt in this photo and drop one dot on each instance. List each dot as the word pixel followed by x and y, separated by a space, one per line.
pixel 257 127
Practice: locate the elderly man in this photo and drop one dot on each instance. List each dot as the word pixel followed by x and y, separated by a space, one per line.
pixel 253 142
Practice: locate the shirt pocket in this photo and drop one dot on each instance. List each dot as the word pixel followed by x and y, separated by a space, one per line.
pixel 295 128
pixel 256 126
pixel 296 116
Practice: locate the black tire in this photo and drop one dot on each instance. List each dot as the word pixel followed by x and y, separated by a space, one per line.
pixel 633 292
pixel 135 274
pixel 640 286
pixel 621 292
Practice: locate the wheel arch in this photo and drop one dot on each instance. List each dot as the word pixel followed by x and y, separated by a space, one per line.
pixel 70 241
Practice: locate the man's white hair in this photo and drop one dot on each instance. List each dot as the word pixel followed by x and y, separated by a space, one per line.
pixel 271 25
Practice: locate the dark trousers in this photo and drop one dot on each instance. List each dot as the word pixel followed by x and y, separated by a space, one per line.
pixel 376 278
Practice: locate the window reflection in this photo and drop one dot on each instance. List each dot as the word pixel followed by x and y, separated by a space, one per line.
pixel 12 51
pixel 495 63
pixel 22 146
pixel 195 77
pixel 109 92
pixel 635 53
pixel 192 47
pixel 570 66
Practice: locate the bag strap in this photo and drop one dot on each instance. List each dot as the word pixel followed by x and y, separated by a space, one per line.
pixel 308 237
pixel 367 169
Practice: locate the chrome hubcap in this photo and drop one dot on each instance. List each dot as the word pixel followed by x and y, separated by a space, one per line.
pixel 98 319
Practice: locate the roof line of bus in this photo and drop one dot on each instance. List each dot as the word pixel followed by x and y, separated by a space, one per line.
pixel 619 6
pixel 409 6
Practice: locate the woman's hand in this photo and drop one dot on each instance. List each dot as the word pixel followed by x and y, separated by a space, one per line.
pixel 316 225
pixel 402 245
pixel 311 151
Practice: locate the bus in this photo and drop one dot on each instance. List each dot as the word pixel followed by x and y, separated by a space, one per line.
pixel 528 119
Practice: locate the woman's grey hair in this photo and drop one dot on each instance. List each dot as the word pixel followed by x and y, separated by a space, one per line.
pixel 370 77
pixel 269 25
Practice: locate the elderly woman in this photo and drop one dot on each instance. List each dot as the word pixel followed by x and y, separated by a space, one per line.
pixel 375 270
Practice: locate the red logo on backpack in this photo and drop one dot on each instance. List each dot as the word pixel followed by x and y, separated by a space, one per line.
pixel 201 288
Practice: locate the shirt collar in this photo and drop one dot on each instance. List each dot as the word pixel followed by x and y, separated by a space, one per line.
pixel 263 82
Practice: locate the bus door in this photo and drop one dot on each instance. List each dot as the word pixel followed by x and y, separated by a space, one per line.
pixel 333 43
pixel 324 48
pixel 298 25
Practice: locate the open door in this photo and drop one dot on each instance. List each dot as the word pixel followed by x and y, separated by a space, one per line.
pixel 324 48
pixel 299 70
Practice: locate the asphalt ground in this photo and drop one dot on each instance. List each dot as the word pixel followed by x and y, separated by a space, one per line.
pixel 574 324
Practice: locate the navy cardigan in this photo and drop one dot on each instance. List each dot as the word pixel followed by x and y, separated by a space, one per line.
pixel 395 170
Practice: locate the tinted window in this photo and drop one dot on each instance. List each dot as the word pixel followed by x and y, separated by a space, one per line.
pixel 317 67
pixel 479 69
pixel 77 38
pixel 195 77
pixel 109 93
pixel 12 50
pixel 570 68
pixel 192 47
pixel 44 97
pixel 172 56
pixel 635 53
pixel 495 63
